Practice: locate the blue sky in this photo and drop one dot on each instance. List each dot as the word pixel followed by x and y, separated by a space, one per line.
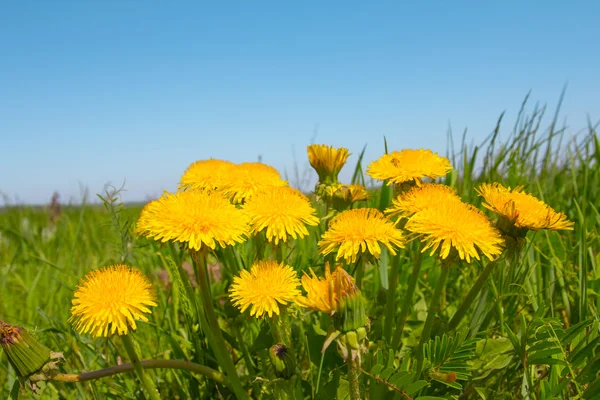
pixel 101 91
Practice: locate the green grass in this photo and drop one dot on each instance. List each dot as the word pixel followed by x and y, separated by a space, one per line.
pixel 533 332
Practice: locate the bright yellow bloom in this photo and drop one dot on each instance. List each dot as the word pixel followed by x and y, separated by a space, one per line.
pixel 325 294
pixel 419 198
pixel 282 212
pixel 327 161
pixel 267 285
pixel 524 209
pixel 409 165
pixel 197 218
pixel 110 300
pixel 250 178
pixel 207 174
pixel 360 231
pixel 456 225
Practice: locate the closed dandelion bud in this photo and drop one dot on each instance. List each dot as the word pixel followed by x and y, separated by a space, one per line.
pixel 282 360
pixel 351 313
pixel 23 351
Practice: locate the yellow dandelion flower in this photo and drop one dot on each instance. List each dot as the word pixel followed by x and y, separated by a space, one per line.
pixel 207 174
pixel 456 225
pixel 360 231
pixel 524 209
pixel 109 300
pixel 409 165
pixel 325 294
pixel 267 285
pixel 250 178
pixel 419 198
pixel 327 161
pixel 282 212
pixel 197 218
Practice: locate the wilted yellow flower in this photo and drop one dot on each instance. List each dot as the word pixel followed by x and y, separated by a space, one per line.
pixel 250 178
pixel 282 212
pixel 325 294
pixel 207 174
pixel 420 197
pixel 267 285
pixel 524 209
pixel 409 165
pixel 327 161
pixel 110 300
pixel 360 231
pixel 456 225
pixel 197 218
pixel 25 354
pixel 343 196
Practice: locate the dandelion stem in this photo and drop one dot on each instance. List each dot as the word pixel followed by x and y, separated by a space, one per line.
pixel 147 383
pixel 432 311
pixel 353 368
pixel 218 342
pixel 360 272
pixel 407 303
pixel 146 364
pixel 470 298
pixel 275 331
pixel 391 299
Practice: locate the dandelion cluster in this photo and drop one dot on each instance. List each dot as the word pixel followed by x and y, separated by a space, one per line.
pixel 222 204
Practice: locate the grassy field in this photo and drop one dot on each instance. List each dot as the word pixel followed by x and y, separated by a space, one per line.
pixel 532 332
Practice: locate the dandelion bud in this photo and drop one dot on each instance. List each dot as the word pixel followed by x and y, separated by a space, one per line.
pixel 327 161
pixel 351 313
pixel 24 352
pixel 282 360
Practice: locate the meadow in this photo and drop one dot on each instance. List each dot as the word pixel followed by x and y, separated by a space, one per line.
pixel 498 311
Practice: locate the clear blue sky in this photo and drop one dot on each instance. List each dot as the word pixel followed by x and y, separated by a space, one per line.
pixel 100 91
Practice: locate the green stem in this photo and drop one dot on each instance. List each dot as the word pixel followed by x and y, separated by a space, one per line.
pixel 353 368
pixel 499 308
pixel 244 349
pixel 390 306
pixel 407 303
pixel 258 243
pixel 218 342
pixel 146 364
pixel 279 252
pixel 147 383
pixel 360 272
pixel 470 298
pixel 432 311
pixel 275 331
